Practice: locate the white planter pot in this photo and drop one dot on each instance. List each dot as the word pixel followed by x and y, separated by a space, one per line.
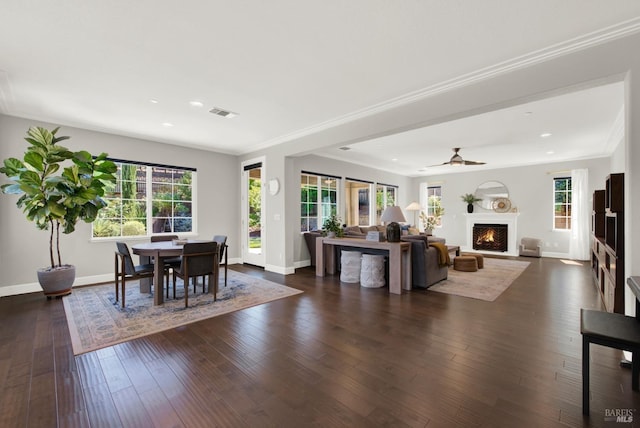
pixel 58 281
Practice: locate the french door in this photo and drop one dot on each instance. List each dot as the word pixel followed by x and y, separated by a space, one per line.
pixel 252 212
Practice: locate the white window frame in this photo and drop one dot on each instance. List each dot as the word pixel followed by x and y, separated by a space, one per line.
pixel 324 207
pixel 385 202
pixel 430 206
pixel 149 198
pixel 568 204
pixel 369 186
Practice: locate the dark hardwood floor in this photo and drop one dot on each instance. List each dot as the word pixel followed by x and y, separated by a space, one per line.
pixel 336 355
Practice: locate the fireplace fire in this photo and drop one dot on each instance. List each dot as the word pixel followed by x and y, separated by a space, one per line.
pixel 490 237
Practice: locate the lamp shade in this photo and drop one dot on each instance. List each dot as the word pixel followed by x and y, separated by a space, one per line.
pixel 393 214
pixel 413 206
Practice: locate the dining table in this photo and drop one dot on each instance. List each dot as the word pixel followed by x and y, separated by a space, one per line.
pixel 158 251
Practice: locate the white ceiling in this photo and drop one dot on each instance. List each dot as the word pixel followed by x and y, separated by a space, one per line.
pixel 583 124
pixel 291 67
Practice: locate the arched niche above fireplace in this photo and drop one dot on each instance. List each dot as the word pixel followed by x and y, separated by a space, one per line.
pixel 489 191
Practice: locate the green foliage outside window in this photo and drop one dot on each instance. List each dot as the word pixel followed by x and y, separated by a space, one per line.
pixel 255 199
pixel 562 203
pixel 169 196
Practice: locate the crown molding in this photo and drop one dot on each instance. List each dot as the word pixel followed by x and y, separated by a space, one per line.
pixel 604 35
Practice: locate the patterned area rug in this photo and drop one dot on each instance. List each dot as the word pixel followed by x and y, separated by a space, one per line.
pixel 96 320
pixel 485 284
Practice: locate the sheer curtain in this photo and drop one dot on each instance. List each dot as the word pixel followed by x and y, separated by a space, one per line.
pixel 580 215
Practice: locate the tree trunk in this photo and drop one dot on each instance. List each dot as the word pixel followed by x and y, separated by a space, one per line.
pixel 53 263
pixel 58 243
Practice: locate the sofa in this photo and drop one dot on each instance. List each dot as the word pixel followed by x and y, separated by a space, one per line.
pixel 426 269
pixel 361 231
pixel 352 232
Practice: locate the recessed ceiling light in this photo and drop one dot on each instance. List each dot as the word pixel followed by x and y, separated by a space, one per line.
pixel 153 101
pixel 394 159
pixel 545 135
pixel 167 124
pixel 528 113
pixel 196 104
pixel 550 152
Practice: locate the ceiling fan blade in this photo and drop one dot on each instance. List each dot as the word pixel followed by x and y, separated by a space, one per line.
pixel 473 163
pixel 455 160
pixel 438 164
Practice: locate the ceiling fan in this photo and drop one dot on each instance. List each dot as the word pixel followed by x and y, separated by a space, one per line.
pixel 457 160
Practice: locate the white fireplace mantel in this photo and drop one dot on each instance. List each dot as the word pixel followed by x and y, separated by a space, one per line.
pixel 510 219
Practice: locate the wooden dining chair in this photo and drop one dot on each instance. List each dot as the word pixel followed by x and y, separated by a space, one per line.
pixel 222 250
pixel 169 263
pixel 125 269
pixel 198 259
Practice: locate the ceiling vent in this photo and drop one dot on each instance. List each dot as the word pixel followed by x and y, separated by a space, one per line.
pixel 221 112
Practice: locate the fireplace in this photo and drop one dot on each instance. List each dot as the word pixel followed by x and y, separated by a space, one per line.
pixel 490 237
pixel 492 219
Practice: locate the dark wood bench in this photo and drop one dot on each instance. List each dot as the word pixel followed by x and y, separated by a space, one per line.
pixel 615 331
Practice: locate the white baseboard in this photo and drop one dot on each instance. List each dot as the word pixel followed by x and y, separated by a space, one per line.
pixel 555 255
pixel 279 269
pixel 33 287
pixel 301 264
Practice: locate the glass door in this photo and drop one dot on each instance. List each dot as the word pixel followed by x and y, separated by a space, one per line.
pixel 253 198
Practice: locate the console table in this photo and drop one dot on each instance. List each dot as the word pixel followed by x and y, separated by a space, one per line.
pixel 399 259
pixel 614 330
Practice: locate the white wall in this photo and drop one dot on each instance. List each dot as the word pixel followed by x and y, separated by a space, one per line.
pixel 24 248
pixel 530 191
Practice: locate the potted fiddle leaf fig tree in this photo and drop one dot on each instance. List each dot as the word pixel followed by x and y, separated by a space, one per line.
pixel 57 188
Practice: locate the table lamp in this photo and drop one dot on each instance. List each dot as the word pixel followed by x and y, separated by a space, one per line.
pixel 415 207
pixel 391 217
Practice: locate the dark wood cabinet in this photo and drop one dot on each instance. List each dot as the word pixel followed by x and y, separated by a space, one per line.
pixel 607 251
pixel 599 212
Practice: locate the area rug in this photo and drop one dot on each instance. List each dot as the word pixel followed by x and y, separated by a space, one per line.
pixel 485 284
pixel 96 320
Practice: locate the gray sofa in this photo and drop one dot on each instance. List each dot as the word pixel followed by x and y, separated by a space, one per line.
pixel 425 266
pixel 425 269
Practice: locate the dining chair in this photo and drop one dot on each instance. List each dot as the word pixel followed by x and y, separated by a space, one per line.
pixel 222 249
pixel 157 238
pixel 169 263
pixel 125 269
pixel 198 259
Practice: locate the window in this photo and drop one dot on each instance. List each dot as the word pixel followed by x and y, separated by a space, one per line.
pixel 147 199
pixel 386 196
pixel 358 197
pixel 562 203
pixel 318 200
pixel 434 203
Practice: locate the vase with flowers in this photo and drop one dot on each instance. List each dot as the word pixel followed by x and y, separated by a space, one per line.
pixel 431 221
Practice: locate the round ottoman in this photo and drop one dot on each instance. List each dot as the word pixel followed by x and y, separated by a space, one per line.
pixel 372 271
pixel 350 266
pixel 465 263
pixel 479 258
